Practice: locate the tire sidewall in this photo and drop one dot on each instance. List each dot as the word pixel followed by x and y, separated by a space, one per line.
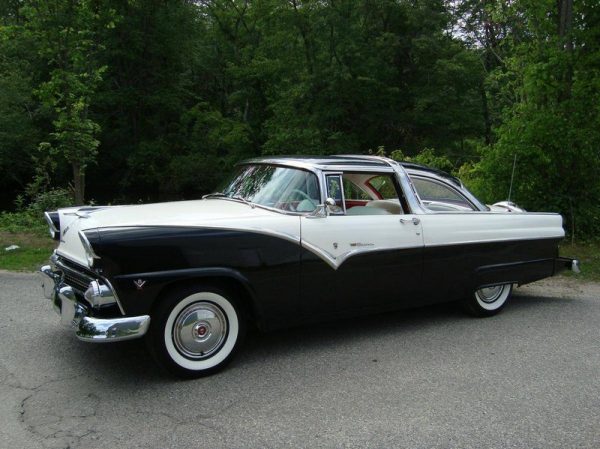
pixel 477 307
pixel 497 304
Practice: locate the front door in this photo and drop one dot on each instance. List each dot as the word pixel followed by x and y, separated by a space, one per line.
pixel 366 259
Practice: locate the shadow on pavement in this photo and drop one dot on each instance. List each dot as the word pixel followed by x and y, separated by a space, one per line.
pixel 129 363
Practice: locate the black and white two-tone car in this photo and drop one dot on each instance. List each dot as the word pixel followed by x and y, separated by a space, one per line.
pixel 287 241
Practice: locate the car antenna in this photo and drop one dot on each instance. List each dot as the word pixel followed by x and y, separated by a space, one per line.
pixel 512 177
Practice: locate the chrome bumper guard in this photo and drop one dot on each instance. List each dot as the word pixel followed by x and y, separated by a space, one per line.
pixel 74 314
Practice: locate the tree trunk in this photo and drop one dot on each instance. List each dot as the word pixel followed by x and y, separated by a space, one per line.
pixel 565 26
pixel 78 183
pixel 486 114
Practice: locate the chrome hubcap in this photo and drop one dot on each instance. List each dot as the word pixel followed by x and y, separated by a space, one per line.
pixel 200 330
pixel 490 294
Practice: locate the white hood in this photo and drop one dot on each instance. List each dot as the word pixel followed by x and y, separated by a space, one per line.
pixel 197 213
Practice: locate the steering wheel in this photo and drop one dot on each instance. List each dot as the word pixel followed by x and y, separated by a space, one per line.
pixel 301 194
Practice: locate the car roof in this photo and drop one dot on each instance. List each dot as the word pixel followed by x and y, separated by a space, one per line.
pixel 324 162
pixel 344 162
pixel 413 168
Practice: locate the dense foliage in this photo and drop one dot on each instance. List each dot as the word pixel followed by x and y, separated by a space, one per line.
pixel 137 100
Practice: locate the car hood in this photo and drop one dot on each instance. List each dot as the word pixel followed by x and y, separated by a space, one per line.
pixel 197 213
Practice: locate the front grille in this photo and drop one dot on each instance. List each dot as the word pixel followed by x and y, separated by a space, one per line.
pixel 74 275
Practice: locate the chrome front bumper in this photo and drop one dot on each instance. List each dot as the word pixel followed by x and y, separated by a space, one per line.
pixel 74 314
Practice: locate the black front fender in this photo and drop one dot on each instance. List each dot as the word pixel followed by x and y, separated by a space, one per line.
pixel 139 291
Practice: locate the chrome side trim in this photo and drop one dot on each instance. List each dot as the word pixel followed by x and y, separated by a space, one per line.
pixel 336 262
pixel 114 293
pixel 265 231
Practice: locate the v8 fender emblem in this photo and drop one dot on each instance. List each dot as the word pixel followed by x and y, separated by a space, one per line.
pixel 139 284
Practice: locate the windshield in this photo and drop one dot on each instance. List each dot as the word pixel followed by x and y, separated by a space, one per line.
pixel 287 189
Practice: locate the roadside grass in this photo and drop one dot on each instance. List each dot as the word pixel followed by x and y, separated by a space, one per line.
pixel 34 250
pixel 30 233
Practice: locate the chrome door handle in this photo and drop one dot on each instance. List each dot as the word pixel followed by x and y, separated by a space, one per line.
pixel 414 220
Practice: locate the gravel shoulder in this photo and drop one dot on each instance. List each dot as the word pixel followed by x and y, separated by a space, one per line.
pixel 426 378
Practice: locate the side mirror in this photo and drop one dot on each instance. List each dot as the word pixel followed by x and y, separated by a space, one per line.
pixel 322 210
pixel 332 207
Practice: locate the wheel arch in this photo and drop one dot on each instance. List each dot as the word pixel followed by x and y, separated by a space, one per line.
pixel 225 278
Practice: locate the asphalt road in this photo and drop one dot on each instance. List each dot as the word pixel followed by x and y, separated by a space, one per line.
pixel 428 378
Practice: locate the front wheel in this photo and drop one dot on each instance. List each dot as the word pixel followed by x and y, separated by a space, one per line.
pixel 488 301
pixel 196 331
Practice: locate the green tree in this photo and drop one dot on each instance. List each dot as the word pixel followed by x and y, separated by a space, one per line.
pixel 553 125
pixel 65 33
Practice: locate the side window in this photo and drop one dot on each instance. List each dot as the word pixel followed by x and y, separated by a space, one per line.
pixel 335 191
pixel 384 185
pixel 438 197
pixel 353 192
pixel 357 193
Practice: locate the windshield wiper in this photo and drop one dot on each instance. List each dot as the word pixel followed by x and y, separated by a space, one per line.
pixel 225 196
pixel 214 195
pixel 243 200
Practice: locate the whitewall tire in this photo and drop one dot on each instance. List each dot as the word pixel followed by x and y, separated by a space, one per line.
pixel 196 330
pixel 488 301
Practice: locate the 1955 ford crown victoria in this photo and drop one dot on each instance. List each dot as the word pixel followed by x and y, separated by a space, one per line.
pixel 288 241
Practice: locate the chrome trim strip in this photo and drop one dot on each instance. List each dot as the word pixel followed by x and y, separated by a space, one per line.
pixel 265 231
pixel 114 292
pixel 336 262
pixel 87 245
pixel 410 193
pixel 314 167
pixel 475 242
pixel 340 176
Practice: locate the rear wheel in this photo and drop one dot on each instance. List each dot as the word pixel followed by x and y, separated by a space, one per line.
pixel 196 331
pixel 488 301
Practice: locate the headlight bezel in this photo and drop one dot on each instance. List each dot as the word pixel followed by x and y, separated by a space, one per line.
pixel 52 228
pixel 90 255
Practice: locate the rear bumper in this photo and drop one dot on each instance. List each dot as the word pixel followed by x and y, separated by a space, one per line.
pixel 565 263
pixel 75 314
